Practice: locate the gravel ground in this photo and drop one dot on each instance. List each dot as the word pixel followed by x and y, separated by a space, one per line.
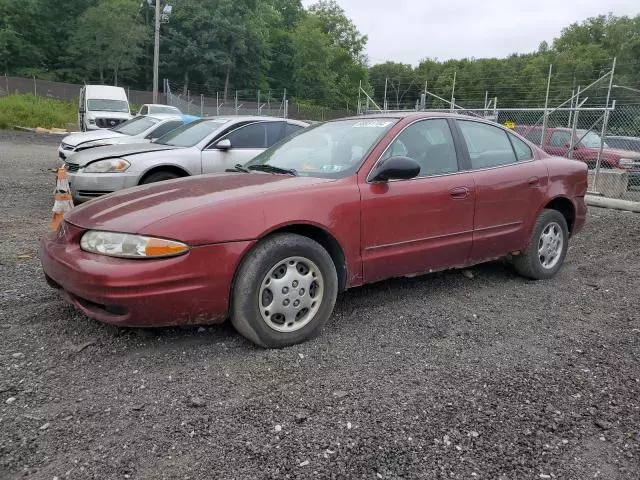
pixel 443 376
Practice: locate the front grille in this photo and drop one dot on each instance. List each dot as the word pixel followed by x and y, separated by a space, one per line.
pixel 91 193
pixel 109 122
pixel 72 167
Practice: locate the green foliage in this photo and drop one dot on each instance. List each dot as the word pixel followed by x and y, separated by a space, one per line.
pixel 317 53
pixel 579 56
pixel 30 111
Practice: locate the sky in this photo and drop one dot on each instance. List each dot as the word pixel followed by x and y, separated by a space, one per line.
pixel 409 30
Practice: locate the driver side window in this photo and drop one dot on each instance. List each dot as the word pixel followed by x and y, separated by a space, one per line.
pixel 430 143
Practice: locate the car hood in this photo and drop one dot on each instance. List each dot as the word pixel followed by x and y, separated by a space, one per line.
pixel 133 209
pixel 76 139
pixel 84 157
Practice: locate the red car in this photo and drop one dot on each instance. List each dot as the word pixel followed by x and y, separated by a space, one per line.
pixel 343 203
pixel 586 147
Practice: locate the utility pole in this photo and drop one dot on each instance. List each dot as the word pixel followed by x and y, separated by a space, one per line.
pixel 156 53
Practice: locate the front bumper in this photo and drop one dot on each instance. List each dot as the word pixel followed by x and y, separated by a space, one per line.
pixel 191 289
pixel 87 186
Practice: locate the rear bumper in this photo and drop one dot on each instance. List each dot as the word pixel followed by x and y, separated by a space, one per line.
pixel 186 290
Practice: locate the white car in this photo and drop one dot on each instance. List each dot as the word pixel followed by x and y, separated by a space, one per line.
pixel 207 145
pixel 141 129
pixel 151 108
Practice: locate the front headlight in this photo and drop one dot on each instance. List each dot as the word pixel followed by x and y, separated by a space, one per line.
pixel 125 245
pixel 625 163
pixel 111 165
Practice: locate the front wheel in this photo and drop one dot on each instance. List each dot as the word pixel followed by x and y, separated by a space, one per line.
pixel 158 177
pixel 285 291
pixel 547 248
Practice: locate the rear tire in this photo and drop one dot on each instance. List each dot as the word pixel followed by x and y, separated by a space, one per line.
pixel 159 177
pixel 547 248
pixel 285 291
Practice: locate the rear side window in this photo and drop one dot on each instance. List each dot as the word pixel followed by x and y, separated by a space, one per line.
pixel 275 131
pixel 560 139
pixel 523 151
pixel 251 136
pixel 164 129
pixel 290 129
pixel 488 146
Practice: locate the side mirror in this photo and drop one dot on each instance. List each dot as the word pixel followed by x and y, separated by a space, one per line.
pixel 82 110
pixel 223 144
pixel 396 168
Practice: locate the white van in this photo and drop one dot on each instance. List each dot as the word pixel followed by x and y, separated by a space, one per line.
pixel 102 106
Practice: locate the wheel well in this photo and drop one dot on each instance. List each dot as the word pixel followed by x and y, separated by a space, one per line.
pixel 164 168
pixel 565 207
pixel 328 242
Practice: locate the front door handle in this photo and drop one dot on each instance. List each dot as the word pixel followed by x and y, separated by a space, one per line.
pixel 459 193
pixel 533 181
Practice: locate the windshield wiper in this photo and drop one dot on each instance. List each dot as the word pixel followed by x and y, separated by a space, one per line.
pixel 274 169
pixel 238 168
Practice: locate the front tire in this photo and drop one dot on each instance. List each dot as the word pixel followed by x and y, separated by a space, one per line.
pixel 158 177
pixel 547 248
pixel 285 291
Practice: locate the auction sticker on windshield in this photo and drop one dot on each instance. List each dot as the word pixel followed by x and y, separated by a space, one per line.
pixel 372 124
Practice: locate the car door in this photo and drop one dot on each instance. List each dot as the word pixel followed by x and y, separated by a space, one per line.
pixel 510 186
pixel 423 224
pixel 246 142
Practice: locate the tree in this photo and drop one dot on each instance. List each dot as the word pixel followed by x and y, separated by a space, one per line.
pixel 108 38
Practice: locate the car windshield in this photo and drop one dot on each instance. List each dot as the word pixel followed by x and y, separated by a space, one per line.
pixel 163 109
pixel 102 105
pixel 135 126
pixel 330 150
pixel 591 139
pixel 189 135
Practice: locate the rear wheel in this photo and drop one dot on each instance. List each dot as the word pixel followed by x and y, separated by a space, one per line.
pixel 284 292
pixel 159 177
pixel 547 248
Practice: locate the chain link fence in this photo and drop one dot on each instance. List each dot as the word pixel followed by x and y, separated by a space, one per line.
pixel 606 139
pixel 249 102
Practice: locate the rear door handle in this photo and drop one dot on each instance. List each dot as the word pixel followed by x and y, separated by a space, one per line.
pixel 533 180
pixel 459 193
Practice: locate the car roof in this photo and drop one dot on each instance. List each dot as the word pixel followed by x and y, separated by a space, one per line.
pixel 157 105
pixel 620 137
pixel 255 118
pixel 163 116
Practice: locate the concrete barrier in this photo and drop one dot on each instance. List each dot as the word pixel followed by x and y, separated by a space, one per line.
pixel 612 183
pixel 614 203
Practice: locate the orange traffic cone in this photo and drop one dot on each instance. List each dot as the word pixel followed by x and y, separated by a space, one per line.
pixel 62 198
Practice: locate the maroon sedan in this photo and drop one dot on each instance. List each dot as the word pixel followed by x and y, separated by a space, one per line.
pixel 344 203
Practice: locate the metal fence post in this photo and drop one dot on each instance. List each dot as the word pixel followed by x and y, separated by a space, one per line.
pixel 35 87
pixel 286 108
pixel 6 81
pixel 546 107
pixel 575 122
pixel 201 105
pixel 605 123
pixel 236 105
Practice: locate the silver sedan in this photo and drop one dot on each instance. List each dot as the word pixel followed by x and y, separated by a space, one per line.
pixel 204 146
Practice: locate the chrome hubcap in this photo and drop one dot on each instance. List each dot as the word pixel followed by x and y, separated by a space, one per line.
pixel 291 294
pixel 550 245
